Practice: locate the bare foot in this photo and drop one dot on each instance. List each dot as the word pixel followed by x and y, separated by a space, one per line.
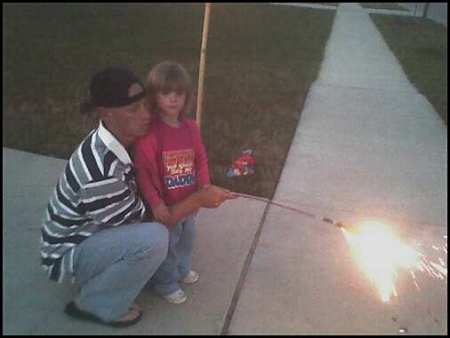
pixel 132 314
pixel 135 306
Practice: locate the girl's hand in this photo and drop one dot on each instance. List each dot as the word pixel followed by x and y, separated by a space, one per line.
pixel 213 196
pixel 161 213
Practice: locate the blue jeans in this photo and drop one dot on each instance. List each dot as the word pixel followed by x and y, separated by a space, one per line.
pixel 178 262
pixel 113 265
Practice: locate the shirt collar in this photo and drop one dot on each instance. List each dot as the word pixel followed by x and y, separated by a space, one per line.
pixel 113 144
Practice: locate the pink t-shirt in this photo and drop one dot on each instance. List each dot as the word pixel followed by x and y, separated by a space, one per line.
pixel 170 162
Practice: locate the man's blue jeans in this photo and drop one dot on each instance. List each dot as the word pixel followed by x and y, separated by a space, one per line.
pixel 178 262
pixel 113 265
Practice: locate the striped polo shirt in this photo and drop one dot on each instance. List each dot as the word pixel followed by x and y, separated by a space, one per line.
pixel 97 190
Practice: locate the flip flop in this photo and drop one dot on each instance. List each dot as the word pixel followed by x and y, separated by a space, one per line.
pixel 73 311
pixel 135 306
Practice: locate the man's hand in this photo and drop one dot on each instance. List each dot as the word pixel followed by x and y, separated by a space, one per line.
pixel 161 213
pixel 212 196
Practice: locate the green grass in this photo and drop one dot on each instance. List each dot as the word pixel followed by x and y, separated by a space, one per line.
pixel 261 60
pixel 51 51
pixel 420 45
pixel 382 5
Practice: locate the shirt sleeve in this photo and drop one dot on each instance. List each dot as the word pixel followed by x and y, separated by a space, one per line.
pixel 147 171
pixel 201 157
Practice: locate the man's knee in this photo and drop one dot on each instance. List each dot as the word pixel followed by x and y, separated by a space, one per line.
pixel 153 240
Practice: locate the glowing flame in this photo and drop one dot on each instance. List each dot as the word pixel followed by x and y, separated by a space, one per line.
pixel 381 256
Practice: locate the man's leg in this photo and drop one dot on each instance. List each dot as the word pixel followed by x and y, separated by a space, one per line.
pixel 113 265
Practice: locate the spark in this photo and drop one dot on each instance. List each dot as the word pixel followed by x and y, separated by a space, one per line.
pixel 379 253
pixel 414 280
pixel 381 256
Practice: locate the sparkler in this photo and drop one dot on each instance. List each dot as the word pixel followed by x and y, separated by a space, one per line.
pixel 379 253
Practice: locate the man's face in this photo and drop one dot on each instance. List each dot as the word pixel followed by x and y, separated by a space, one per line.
pixel 131 121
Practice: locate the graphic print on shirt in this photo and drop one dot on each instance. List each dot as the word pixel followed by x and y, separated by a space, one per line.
pixel 178 168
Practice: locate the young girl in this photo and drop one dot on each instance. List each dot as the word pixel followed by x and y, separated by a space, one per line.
pixel 171 163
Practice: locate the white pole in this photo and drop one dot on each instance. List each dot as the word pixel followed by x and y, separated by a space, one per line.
pixel 201 74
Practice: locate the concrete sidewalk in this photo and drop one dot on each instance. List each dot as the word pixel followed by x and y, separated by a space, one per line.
pixel 368 145
pixel 407 11
pixel 34 305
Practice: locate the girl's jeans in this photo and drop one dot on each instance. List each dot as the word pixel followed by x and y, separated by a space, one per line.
pixel 178 262
pixel 113 265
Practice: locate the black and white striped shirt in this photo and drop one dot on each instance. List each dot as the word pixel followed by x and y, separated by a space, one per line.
pixel 96 190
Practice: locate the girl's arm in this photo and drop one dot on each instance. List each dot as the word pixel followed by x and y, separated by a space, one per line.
pixel 207 197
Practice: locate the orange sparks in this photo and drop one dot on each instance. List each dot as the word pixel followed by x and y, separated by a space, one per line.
pixel 381 255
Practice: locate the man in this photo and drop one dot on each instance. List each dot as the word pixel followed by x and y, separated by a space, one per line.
pixel 93 231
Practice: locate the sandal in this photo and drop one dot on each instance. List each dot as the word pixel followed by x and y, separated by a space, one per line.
pixel 73 311
pixel 136 307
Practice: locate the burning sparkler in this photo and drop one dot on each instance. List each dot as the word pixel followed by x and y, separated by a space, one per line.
pixel 382 255
pixel 379 252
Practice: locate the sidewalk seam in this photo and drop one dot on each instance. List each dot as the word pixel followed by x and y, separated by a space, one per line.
pixel 243 275
pixel 237 291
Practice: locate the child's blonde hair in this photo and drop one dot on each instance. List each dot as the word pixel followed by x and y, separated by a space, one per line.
pixel 169 76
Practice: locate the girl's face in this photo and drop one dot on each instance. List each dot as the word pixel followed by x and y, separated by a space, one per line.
pixel 171 103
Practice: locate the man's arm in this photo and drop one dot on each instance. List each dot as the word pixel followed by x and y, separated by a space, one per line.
pixel 147 171
pixel 208 197
pixel 97 197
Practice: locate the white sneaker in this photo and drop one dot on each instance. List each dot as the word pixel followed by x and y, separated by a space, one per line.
pixel 176 297
pixel 191 277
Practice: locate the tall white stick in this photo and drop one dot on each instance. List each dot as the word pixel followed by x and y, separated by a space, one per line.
pixel 201 74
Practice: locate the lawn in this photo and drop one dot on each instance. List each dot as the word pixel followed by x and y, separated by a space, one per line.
pixel 261 60
pixel 420 45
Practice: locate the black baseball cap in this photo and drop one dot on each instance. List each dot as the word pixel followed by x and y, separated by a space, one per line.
pixel 113 87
